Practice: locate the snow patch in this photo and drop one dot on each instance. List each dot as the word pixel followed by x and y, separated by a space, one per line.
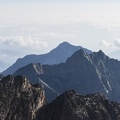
pixel 43 84
pixel 107 91
pixel 38 68
pixel 109 85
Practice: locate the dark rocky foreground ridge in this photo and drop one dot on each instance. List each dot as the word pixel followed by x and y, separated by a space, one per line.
pixel 20 100
pixel 72 106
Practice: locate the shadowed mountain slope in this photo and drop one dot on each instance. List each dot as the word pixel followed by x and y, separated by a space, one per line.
pixel 85 73
pixel 55 56
pixel 20 100
pixel 72 106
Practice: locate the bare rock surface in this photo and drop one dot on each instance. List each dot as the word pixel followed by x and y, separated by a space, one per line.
pixel 83 72
pixel 19 100
pixel 72 106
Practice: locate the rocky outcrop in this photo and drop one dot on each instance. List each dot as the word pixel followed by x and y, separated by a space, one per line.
pixel 72 106
pixel 20 100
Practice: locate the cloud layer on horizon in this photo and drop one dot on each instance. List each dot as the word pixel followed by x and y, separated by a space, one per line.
pixel 22 41
pixel 40 26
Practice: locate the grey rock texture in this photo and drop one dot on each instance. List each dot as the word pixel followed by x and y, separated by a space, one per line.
pixel 85 73
pixel 19 100
pixel 72 106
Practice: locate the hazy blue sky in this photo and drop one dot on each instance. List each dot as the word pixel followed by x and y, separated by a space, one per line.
pixel 37 26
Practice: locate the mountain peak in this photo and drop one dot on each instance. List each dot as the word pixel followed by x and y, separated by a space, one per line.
pixel 100 52
pixel 78 55
pixel 81 52
pixel 55 56
pixel 66 45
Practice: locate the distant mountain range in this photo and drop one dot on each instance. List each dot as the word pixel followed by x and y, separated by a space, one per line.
pixel 55 56
pixel 83 72
pixel 71 67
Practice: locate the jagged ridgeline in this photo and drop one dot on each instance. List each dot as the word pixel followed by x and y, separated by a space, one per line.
pixel 55 56
pixel 20 100
pixel 83 72
pixel 72 106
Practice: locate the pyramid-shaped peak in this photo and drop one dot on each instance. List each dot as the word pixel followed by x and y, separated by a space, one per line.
pixel 99 55
pixel 77 56
pixel 65 44
pixel 101 52
pixel 80 52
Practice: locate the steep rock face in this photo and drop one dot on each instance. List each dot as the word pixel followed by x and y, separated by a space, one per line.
pixel 72 106
pixel 33 71
pixel 85 73
pixel 19 100
pixel 55 56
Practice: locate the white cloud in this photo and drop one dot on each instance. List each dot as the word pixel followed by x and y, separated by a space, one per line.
pixel 3 55
pixel 107 46
pixel 14 47
pixel 105 43
pixel 117 43
pixel 56 35
pixel 23 41
pixel 103 15
pixel 30 29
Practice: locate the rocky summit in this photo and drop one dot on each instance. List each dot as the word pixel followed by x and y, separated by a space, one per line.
pixel 72 106
pixel 19 100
